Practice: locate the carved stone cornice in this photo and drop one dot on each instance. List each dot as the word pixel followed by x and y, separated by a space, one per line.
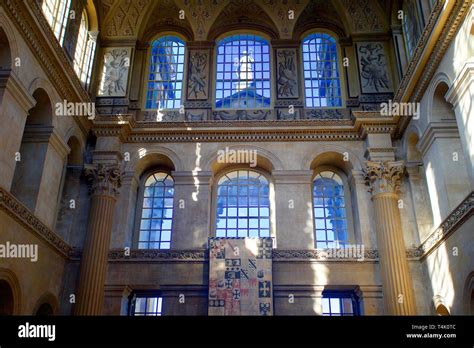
pixel 458 216
pixel 103 179
pixel 22 215
pixel 383 176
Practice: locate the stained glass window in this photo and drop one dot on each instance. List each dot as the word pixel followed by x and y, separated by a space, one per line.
pixel 243 205
pixel 330 220
pixel 243 72
pixel 166 74
pixel 321 72
pixel 56 13
pixel 157 212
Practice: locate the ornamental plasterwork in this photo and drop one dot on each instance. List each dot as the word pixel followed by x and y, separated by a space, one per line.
pixel 364 16
pixel 279 12
pixel 125 17
pixel 201 14
pixel 383 176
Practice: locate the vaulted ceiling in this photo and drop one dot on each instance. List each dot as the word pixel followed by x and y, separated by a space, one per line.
pixel 203 19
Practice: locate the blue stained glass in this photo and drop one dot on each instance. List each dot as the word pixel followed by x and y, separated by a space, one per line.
pixel 166 73
pixel 330 221
pixel 321 74
pixel 243 64
pixel 243 208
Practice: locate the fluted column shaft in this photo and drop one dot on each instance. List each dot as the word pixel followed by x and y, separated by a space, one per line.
pixel 104 185
pixel 384 179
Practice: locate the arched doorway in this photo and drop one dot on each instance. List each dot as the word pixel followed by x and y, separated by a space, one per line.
pixel 6 298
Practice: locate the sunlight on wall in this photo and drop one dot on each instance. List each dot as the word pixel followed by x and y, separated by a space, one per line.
pixel 440 274
pixel 196 170
pixel 320 278
pixel 431 182
pixel 309 228
pixel 142 152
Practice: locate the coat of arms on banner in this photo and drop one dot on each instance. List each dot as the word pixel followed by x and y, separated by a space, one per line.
pixel 240 276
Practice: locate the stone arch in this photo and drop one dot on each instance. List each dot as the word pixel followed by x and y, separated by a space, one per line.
pixel 265 159
pixel 5 52
pixel 468 301
pixel 46 305
pixel 44 85
pixel 142 159
pixel 436 97
pixel 10 295
pixel 28 171
pixel 8 46
pixel 333 155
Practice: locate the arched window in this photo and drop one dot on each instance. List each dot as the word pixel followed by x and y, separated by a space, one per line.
pixel 56 13
pixel 84 53
pixel 157 212
pixel 243 205
pixel 330 219
pixel 243 72
pixel 321 71
pixel 166 74
pixel 411 25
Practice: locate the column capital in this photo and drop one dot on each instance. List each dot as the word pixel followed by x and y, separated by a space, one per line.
pixel 383 176
pixel 103 179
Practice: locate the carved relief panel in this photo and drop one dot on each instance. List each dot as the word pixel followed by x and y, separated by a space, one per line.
pixel 373 68
pixel 286 73
pixel 115 72
pixel 198 75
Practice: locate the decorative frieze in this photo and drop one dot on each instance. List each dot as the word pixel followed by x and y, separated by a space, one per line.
pixel 157 255
pixel 242 115
pixel 319 114
pixel 383 177
pixel 103 179
pixel 320 255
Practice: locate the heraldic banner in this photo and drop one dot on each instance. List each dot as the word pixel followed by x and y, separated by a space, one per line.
pixel 240 276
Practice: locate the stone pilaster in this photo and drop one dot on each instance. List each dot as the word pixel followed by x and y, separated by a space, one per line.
pixel 104 182
pixel 384 180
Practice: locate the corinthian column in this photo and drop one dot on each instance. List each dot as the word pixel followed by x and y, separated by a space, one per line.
pixel 384 181
pixel 104 184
